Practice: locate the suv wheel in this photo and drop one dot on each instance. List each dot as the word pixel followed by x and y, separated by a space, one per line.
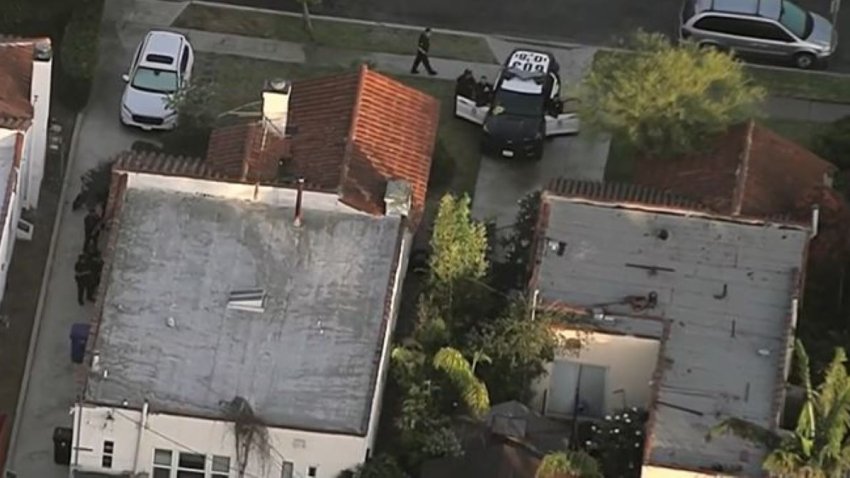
pixel 804 60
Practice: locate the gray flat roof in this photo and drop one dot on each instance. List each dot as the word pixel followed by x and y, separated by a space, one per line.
pixel 309 360
pixel 716 365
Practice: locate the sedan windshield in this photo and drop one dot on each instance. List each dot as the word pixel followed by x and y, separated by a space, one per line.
pixel 517 104
pixel 794 18
pixel 155 81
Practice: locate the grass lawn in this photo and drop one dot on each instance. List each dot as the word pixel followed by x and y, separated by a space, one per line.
pixel 809 85
pixel 239 81
pixel 332 34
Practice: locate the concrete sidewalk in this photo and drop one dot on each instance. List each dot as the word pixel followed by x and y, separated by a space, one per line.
pixel 805 110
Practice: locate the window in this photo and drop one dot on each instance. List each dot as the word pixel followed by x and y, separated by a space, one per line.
pixel 155 81
pixel 769 31
pixel 106 460
pixel 191 465
pixel 311 471
pixel 220 467
pixel 184 62
pixel 517 104
pixel 728 26
pixel 794 18
pixel 286 469
pixel 161 463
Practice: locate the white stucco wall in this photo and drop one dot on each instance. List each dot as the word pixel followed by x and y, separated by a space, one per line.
pixel 330 454
pixel 649 471
pixel 630 363
pixel 37 147
pixel 8 140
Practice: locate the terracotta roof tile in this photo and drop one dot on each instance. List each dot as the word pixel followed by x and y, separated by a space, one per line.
pixel 750 171
pixel 247 151
pixel 621 193
pixel 16 58
pixel 350 134
pixel 158 163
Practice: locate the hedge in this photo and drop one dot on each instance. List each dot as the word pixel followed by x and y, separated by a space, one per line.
pixel 78 53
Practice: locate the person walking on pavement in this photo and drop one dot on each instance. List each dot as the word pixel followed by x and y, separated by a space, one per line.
pixel 422 53
pixel 92 228
pixel 483 92
pixel 83 277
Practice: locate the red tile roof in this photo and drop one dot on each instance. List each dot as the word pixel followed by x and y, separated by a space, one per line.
pixel 247 151
pixel 16 58
pixel 621 193
pixel 350 134
pixel 158 163
pixel 751 171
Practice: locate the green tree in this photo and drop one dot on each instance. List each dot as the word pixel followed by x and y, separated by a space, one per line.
pixel 518 348
pixel 458 244
pixel 568 464
pixel 833 143
pixel 462 374
pixel 819 446
pixel 666 99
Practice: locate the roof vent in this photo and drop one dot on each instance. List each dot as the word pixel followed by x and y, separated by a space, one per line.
pixel 42 51
pixel 252 300
pixel 397 198
pixel 662 234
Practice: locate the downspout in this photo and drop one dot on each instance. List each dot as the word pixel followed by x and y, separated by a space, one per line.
pixel 78 418
pixel 534 299
pixel 142 424
pixel 815 220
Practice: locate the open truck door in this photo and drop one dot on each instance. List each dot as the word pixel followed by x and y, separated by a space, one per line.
pixel 563 124
pixel 466 109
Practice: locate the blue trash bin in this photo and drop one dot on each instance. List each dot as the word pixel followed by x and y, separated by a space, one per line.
pixel 79 337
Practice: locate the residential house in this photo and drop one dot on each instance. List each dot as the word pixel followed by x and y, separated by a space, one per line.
pixel 25 68
pixel 348 134
pixel 241 329
pixel 751 171
pixel 670 307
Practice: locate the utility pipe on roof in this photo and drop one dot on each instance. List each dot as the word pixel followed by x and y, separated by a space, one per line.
pixel 815 220
pixel 142 424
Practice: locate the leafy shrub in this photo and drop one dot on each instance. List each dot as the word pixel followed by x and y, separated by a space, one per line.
pixel 78 53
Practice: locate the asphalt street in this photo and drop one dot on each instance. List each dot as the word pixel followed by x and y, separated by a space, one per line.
pixel 591 22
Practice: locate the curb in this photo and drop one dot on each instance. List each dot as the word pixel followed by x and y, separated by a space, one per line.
pixel 42 294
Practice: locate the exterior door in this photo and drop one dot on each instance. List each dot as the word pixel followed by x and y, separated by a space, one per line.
pixel 565 378
pixel 467 110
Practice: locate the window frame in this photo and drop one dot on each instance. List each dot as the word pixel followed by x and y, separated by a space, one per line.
pixel 184 60
pixel 730 21
pixel 107 457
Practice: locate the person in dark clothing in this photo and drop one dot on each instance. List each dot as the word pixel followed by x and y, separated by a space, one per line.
pixel 422 53
pixel 96 267
pixel 83 277
pixel 465 85
pixel 92 228
pixel 483 92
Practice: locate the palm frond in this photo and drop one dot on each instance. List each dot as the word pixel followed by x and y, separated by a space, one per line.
pixel 806 422
pixel 459 370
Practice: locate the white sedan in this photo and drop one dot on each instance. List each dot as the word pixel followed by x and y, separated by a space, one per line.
pixel 162 66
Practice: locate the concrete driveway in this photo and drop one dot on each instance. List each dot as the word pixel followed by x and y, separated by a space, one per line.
pixel 54 382
pixel 502 182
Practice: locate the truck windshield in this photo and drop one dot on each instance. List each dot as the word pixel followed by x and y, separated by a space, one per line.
pixel 517 104
pixel 794 18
